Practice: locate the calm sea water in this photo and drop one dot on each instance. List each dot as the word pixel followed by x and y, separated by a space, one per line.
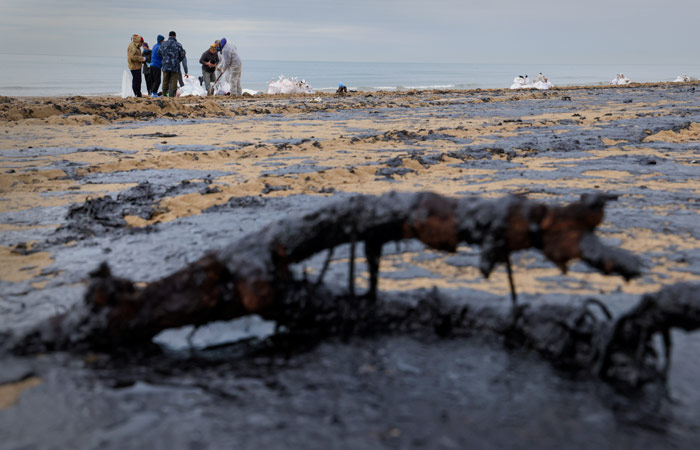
pixel 71 75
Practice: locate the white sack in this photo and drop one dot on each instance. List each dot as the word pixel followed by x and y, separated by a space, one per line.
pixel 191 88
pixel 285 85
pixel 127 90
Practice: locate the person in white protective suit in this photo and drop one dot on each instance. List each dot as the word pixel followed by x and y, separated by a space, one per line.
pixel 230 67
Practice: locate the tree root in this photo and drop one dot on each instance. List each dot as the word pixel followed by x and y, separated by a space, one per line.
pixel 629 356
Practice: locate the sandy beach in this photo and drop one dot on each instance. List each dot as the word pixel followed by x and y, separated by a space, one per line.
pixel 189 175
pixel 554 145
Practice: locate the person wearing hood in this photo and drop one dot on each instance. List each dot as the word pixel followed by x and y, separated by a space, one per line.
pixel 231 66
pixel 172 54
pixel 147 66
pixel 156 64
pixel 134 60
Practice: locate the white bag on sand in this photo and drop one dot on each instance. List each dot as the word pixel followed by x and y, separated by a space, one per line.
pixel 524 83
pixel 285 85
pixel 191 88
pixel 127 90
pixel 274 87
pixel 682 79
pixel 222 87
pixel 521 83
pixel 518 83
pixel 620 79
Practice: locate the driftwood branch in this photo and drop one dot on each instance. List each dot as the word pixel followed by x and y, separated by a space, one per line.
pixel 251 275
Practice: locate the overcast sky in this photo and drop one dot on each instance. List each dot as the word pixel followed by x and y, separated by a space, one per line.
pixel 478 31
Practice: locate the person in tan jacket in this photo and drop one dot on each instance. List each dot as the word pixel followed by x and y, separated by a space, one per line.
pixel 134 60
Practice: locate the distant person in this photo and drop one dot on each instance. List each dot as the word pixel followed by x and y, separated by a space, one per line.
pixel 172 54
pixel 147 66
pixel 156 64
pixel 209 60
pixel 184 67
pixel 231 66
pixel 134 60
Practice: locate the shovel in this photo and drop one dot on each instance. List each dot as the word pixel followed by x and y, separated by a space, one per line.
pixel 211 89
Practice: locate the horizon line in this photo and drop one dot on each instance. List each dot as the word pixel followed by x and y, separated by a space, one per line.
pixel 397 62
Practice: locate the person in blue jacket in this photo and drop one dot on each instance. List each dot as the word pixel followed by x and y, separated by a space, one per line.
pixel 156 65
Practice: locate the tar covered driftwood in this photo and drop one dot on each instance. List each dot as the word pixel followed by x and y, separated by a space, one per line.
pixel 252 274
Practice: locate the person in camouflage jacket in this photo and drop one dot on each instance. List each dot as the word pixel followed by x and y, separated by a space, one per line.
pixel 172 54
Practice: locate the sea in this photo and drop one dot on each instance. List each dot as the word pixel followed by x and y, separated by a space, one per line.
pixel 55 75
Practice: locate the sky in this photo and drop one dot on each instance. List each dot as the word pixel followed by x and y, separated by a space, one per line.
pixel 420 31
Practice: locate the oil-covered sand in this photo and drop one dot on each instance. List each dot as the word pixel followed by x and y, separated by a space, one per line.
pixel 190 175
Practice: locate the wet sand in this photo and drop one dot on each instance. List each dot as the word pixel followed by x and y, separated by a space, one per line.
pixel 219 168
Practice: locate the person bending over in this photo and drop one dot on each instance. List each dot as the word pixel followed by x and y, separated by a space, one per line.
pixel 231 66
pixel 209 60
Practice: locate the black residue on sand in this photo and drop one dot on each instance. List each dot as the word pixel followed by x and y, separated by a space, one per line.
pixel 391 390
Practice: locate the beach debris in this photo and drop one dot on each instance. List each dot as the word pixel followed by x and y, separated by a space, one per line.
pixel 620 79
pixel 683 79
pixel 523 82
pixel 285 85
pixel 252 275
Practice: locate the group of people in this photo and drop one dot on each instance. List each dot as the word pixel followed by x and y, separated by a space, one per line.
pixel 219 62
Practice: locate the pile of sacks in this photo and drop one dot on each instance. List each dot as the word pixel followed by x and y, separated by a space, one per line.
pixel 523 82
pixel 191 87
pixel 683 79
pixel 223 87
pixel 286 85
pixel 620 79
